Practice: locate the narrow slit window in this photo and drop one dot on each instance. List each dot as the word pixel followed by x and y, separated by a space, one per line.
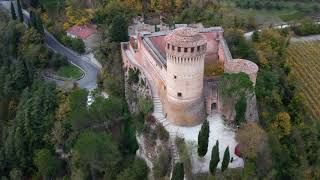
pixel 168 46
pixel 179 49
pixel 198 48
pixel 192 49
pixel 175 77
pixel 172 48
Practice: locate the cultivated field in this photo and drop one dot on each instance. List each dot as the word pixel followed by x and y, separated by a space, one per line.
pixel 305 59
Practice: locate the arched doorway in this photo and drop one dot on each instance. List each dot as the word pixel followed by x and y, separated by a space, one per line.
pixel 214 107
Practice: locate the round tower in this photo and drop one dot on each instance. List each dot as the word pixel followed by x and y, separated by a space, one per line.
pixel 185 54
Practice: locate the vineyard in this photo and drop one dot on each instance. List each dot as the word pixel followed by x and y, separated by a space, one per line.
pixel 305 60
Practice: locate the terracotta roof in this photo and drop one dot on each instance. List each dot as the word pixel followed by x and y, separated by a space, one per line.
pixel 185 37
pixel 212 47
pixel 82 32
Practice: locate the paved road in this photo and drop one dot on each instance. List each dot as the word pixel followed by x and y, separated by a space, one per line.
pixel 89 81
pixel 293 39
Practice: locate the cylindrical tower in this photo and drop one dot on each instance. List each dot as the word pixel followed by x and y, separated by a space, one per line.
pixel 185 52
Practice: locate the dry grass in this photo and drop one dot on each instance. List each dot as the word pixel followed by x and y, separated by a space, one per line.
pixel 305 60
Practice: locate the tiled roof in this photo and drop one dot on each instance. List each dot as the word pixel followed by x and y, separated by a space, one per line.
pixel 156 42
pixel 82 32
pixel 185 37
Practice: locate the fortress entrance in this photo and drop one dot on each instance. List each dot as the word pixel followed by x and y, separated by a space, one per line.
pixel 213 107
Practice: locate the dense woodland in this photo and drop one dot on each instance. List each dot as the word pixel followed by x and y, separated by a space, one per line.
pixel 49 133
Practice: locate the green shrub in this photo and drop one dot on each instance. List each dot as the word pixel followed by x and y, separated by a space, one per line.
pixel 178 172
pixel 57 61
pixel 133 76
pixel 162 132
pixel 184 156
pixel 162 164
pixel 137 171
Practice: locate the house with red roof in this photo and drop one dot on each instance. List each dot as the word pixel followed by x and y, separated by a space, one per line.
pixel 82 32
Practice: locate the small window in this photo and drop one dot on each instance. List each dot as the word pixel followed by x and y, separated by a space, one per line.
pixel 179 49
pixel 179 94
pixel 168 46
pixel 192 49
pixel 172 48
pixel 198 48
pixel 185 49
pixel 175 77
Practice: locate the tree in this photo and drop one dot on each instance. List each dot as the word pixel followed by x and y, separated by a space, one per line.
pixel 282 123
pixel 226 159
pixel 46 162
pixel 13 12
pixel 137 171
pixel 15 174
pixel 241 107
pixel 20 11
pixel 178 172
pixel 39 25
pixel 145 105
pixel 119 29
pixel 203 139
pixel 34 3
pixel 36 22
pixel 215 158
pixel 33 21
pixel 250 137
pixel 235 85
pixel 97 153
pixel 161 166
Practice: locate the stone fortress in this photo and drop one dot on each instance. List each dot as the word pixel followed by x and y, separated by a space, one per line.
pixel 173 64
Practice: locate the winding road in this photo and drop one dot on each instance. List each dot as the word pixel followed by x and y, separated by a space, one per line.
pixel 89 80
pixel 316 37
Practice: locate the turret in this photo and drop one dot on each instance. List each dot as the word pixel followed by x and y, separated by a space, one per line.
pixel 185 54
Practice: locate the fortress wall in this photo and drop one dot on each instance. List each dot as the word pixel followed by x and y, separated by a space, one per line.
pixel 224 52
pixel 185 113
pixel 242 65
pixel 157 70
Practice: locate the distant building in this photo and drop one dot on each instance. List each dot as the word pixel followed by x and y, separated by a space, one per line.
pixel 82 32
pixel 175 60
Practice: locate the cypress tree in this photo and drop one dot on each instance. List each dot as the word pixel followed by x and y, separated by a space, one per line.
pixel 13 12
pixel 20 11
pixel 226 159
pixel 39 25
pixel 214 158
pixel 203 138
pixel 178 172
pixel 33 21
pixel 119 29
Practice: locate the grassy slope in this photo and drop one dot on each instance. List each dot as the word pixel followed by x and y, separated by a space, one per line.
pixel 70 71
pixel 305 60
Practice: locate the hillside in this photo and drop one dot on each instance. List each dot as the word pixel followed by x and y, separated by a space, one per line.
pixel 305 60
